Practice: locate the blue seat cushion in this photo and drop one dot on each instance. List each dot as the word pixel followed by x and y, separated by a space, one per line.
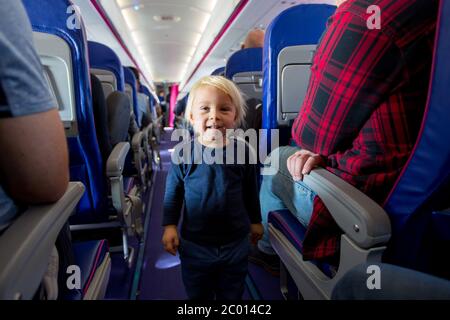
pixel 89 255
pixel 289 225
pixel 285 222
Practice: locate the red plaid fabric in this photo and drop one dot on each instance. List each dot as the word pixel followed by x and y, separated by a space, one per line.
pixel 365 101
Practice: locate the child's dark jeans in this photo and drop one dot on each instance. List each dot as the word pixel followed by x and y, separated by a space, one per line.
pixel 214 272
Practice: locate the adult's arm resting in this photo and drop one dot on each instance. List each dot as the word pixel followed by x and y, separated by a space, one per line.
pixel 34 161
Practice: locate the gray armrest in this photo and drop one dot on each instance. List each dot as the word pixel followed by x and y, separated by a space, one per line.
pixel 361 218
pixel 26 245
pixel 116 160
pixel 148 131
pixel 139 153
pixel 136 141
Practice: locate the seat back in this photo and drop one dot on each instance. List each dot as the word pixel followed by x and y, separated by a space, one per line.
pixel 63 51
pixel 131 91
pixel 144 90
pixel 153 103
pixel 101 118
pixel 106 65
pixel 244 67
pixel 289 44
pixel 417 203
pixel 112 117
pixel 147 116
pixel 118 108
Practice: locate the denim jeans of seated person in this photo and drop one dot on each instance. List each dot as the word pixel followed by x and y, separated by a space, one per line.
pixel 279 191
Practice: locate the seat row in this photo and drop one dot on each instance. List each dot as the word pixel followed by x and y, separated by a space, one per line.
pixel 110 132
pixel 413 224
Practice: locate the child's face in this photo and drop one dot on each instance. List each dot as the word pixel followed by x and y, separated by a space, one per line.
pixel 212 114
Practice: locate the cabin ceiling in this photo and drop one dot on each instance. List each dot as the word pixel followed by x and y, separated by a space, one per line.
pixel 167 32
pixel 168 38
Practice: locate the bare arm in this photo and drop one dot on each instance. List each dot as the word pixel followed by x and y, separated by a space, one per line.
pixel 34 161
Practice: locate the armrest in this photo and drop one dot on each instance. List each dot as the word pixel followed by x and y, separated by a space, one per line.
pixel 26 245
pixel 139 148
pixel 361 218
pixel 116 160
pixel 136 141
pixel 149 127
pixel 148 131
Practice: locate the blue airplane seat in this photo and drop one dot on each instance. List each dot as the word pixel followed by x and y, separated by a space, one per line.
pixel 151 100
pixel 153 103
pixel 130 89
pixel 289 43
pixel 92 257
pixel 105 64
pixel 49 19
pixel 101 119
pixel 139 139
pixel 244 60
pixel 294 231
pixel 144 90
pixel 148 129
pixel 219 72
pixel 111 118
pixel 412 228
pixel 244 68
pixel 60 44
pixel 154 133
pixel 418 204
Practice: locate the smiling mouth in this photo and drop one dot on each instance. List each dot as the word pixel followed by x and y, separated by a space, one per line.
pixel 214 127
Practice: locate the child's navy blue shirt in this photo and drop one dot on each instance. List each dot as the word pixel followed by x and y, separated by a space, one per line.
pixel 220 199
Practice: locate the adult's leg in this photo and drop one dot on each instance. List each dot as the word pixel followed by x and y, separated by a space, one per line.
pixel 280 191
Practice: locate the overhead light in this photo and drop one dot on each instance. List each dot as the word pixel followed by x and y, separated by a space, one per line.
pixel 167 18
pixel 136 7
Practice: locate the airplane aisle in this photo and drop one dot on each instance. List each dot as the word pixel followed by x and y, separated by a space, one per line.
pixel 161 272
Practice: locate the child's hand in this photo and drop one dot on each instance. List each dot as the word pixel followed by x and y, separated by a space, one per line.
pixel 256 232
pixel 170 239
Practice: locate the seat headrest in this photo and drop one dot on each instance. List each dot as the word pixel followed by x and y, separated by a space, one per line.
pixel 130 79
pixel 104 58
pixel 244 60
pixel 299 25
pixel 52 17
pixel 143 89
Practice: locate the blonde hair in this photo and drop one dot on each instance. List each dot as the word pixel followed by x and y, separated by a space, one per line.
pixel 224 85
